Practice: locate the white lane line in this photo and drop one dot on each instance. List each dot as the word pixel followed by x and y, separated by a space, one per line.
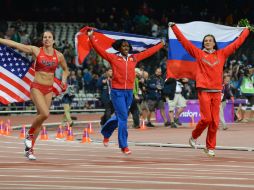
pixel 124 167
pixel 192 172
pixel 233 148
pixel 136 182
pixel 27 162
pixel 92 155
pixel 175 164
pixel 198 146
pixel 109 176
pixel 103 149
pixel 78 144
pixel 32 170
pixel 150 162
pixel 24 170
pixel 44 187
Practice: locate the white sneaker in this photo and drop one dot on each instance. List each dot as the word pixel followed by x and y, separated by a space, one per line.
pixel 28 141
pixel 30 154
pixel 210 153
pixel 193 142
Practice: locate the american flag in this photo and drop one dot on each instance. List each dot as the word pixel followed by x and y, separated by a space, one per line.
pixel 16 75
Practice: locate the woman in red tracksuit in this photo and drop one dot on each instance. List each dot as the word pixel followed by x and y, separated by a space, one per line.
pixel 123 67
pixel 210 62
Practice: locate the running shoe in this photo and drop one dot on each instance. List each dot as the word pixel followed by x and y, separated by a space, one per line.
pixel 106 142
pixel 126 151
pixel 193 142
pixel 209 153
pixel 176 120
pixel 173 125
pixel 29 153
pixel 149 124
pixel 28 140
pixel 167 123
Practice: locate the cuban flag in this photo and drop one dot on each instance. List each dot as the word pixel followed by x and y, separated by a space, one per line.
pixel 16 76
pixel 182 65
pixel 139 43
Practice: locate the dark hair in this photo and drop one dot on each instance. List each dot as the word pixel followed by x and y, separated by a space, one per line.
pixel 203 42
pixel 53 34
pixel 117 44
pixel 246 71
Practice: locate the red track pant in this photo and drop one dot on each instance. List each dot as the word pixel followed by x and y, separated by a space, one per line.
pixel 209 103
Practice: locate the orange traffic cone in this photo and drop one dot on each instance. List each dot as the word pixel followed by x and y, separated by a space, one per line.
pixel 1 127
pixel 90 129
pixel 44 134
pixel 70 136
pixel 7 129
pixel 67 128
pixel 192 123
pixel 9 122
pixel 22 134
pixel 143 125
pixel 86 138
pixel 60 133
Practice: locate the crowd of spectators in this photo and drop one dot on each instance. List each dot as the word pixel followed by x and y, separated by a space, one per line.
pixel 140 17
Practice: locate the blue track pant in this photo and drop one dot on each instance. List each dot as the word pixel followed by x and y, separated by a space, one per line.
pixel 121 100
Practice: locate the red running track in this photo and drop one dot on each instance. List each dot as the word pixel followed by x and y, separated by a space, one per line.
pixel 71 165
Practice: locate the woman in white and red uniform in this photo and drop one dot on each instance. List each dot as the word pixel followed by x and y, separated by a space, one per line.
pixel 46 60
pixel 210 62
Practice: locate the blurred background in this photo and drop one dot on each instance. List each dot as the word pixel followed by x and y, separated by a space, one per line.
pixel 24 21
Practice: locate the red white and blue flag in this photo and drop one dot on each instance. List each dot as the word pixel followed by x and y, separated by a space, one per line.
pixel 182 65
pixel 139 43
pixel 16 75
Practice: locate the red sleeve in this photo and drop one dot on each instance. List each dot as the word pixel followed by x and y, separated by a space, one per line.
pixel 147 53
pixel 227 51
pixel 100 50
pixel 190 48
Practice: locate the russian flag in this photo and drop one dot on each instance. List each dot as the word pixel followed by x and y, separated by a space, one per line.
pixel 139 43
pixel 180 64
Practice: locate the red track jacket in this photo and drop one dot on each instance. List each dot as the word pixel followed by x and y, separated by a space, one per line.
pixel 123 70
pixel 210 65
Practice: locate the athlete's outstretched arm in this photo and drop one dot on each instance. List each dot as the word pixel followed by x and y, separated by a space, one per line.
pixel 21 47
